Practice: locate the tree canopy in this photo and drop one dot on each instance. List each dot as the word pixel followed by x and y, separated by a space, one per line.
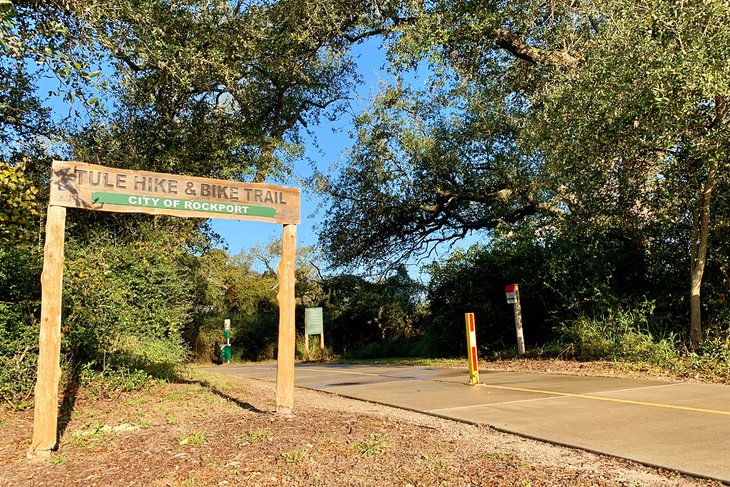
pixel 544 118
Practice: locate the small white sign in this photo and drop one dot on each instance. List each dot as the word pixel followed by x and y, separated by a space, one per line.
pixel 226 324
pixel 511 298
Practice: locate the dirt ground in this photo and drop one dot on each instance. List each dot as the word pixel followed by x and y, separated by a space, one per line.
pixel 215 430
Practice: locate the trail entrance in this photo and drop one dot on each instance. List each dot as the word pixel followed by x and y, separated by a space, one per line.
pixel 100 188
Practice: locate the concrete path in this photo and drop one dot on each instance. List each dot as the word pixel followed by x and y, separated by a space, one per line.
pixel 677 426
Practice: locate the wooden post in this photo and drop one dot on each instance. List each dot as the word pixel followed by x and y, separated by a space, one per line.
pixel 306 346
pixel 321 342
pixel 518 323
pixel 45 414
pixel 287 337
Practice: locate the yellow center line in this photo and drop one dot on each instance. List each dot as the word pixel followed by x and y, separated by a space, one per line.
pixel 612 399
pixel 566 394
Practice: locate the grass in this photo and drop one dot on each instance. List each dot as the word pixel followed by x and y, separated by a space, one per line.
pixel 90 436
pixel 294 456
pixel 193 438
pixel 58 459
pixel 258 435
pixel 373 445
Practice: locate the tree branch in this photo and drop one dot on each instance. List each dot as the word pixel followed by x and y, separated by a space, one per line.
pixel 721 110
pixel 515 45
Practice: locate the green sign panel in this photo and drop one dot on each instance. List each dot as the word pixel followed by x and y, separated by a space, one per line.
pixel 313 322
pixel 180 204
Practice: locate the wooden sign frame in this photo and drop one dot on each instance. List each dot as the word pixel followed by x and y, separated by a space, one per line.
pixel 101 188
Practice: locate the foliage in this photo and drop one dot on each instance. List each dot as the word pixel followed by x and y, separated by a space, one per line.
pixel 193 438
pixel 359 312
pixel 585 142
pixel 19 312
pixel 550 121
pixel 19 208
pixel 314 352
pixel 713 358
pixel 111 381
pixel 125 304
pixel 422 173
pixel 18 353
pixel 219 89
pixel 374 445
pixel 622 336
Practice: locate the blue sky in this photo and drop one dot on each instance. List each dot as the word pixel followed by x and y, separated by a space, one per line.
pixel 332 140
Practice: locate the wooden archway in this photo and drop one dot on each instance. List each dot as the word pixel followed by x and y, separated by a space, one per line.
pixel 100 188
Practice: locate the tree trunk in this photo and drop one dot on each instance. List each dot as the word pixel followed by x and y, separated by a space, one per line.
pixel 698 251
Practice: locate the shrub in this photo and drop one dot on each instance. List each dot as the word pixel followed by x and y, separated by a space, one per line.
pixel 620 335
pixel 125 304
pixel 314 352
pixel 18 352
pixel 20 268
pixel 713 359
pixel 104 383
pixel 161 358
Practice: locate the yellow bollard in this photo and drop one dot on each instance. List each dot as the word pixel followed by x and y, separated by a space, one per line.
pixel 471 345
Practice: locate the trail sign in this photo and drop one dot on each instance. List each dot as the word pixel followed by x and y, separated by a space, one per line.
pixel 511 291
pixel 313 325
pixel 313 322
pixel 92 187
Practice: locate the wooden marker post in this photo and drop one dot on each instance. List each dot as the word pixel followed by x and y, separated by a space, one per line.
pixel 45 414
pixel 471 346
pixel 287 334
pixel 513 297
pixel 306 347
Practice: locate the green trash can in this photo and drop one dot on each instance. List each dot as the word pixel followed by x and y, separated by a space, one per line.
pixel 225 353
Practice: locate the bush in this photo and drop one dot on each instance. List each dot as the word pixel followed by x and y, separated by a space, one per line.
pixel 20 268
pixel 713 359
pixel 254 335
pixel 104 383
pixel 161 358
pixel 622 335
pixel 18 352
pixel 125 304
pixel 314 352
pixel 205 338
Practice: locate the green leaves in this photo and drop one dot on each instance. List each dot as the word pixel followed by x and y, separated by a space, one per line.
pixel 19 207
